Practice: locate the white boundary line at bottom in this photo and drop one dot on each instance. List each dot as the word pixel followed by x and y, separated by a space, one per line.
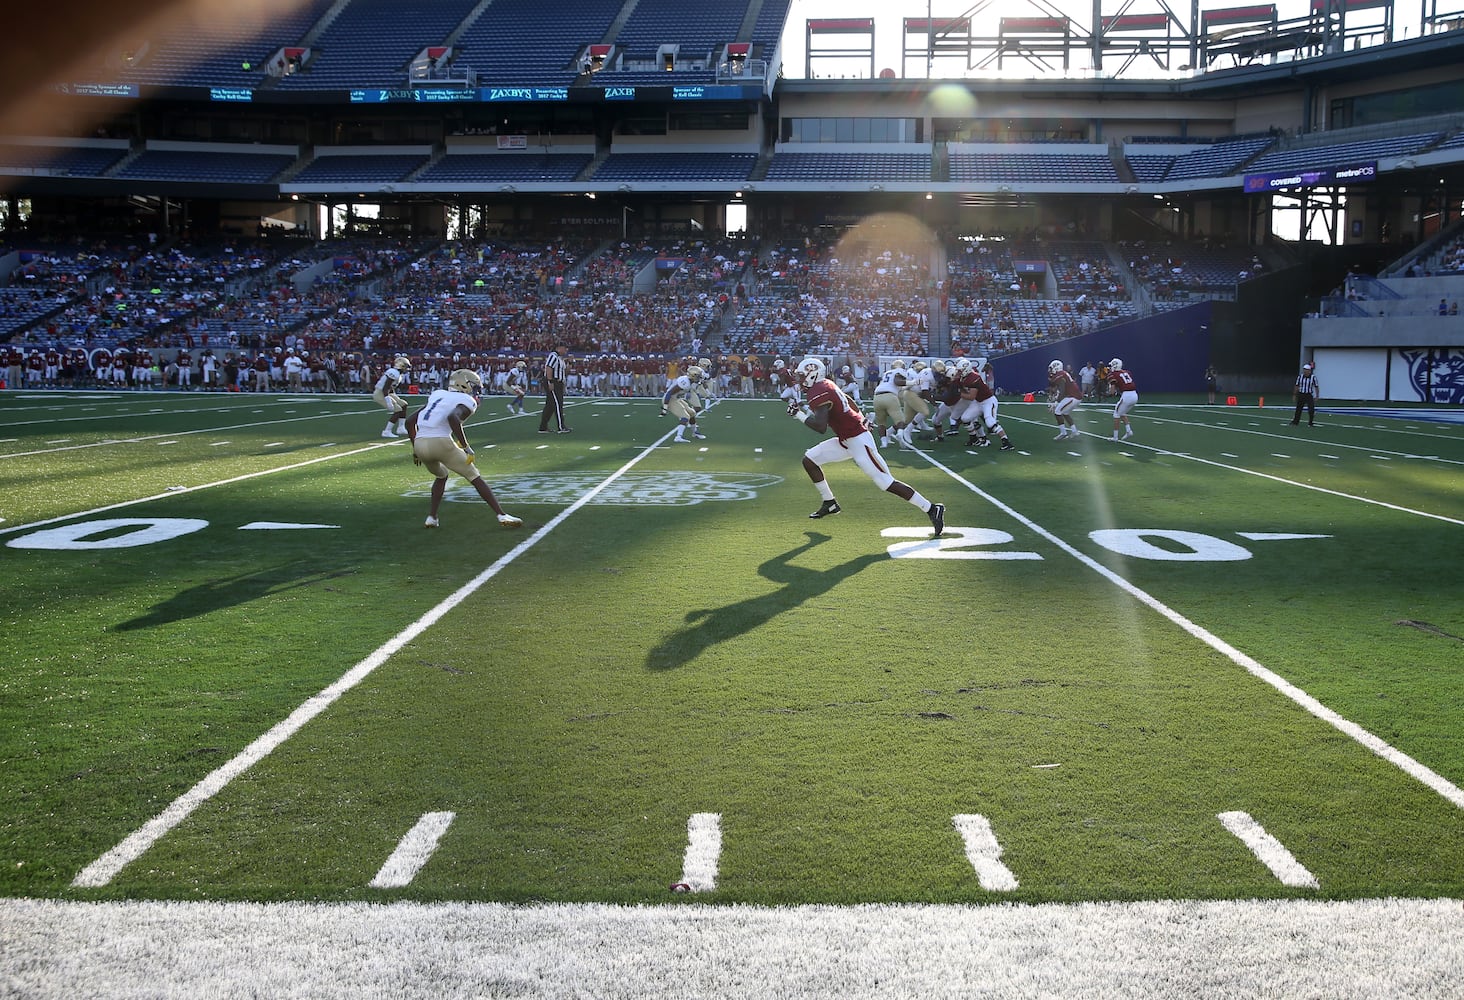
pixel 101 871
pixel 1155 949
pixel 1377 745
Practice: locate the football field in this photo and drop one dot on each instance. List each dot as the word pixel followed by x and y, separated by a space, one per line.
pixel 1219 665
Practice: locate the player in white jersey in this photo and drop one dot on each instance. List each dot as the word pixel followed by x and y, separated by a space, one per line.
pixel 387 398
pixel 516 384
pixel 438 442
pixel 915 401
pixel 678 398
pixel 889 417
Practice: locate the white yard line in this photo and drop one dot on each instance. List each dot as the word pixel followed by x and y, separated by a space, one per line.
pixel 1293 439
pixel 703 852
pixel 101 871
pixel 1134 443
pixel 1268 850
pixel 984 852
pixel 414 851
pixel 1391 754
pixel 108 442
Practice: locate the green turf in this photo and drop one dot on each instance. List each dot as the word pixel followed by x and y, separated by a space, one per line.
pixel 650 657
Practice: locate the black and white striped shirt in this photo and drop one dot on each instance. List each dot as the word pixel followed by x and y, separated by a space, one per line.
pixel 554 367
pixel 1306 384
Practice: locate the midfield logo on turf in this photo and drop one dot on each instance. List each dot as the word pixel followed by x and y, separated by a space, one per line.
pixel 671 489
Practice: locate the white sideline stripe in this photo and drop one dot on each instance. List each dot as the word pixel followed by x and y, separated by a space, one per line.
pixel 413 852
pixel 703 851
pixel 175 491
pixel 1378 746
pixel 1292 482
pixel 1268 850
pixel 202 430
pixel 984 852
pixel 101 871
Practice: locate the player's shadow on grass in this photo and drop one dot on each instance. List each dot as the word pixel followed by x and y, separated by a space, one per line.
pixel 215 595
pixel 705 628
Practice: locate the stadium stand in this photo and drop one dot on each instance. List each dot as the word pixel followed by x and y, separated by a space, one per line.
pixel 230 50
pixel 1341 153
pixel 674 166
pixel 506 168
pixel 1081 164
pixel 1217 159
pixel 542 42
pixel 371 43
pixel 197 166
pixel 799 166
pixel 73 161
pixel 357 169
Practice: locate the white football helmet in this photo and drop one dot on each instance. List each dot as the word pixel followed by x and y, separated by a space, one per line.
pixel 1116 363
pixel 402 363
pixel 465 380
pixel 810 370
pixel 779 364
pixel 521 365
pixel 1054 367
pixel 963 365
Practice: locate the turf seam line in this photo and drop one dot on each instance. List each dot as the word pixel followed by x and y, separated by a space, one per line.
pixel 101 871
pixel 1383 749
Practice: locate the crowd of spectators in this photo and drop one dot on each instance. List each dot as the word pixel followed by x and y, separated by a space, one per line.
pixel 845 293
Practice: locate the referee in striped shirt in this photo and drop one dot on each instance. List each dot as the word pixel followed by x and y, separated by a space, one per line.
pixel 1305 394
pixel 554 372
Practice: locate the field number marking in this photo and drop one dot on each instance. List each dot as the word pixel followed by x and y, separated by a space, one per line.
pixel 956 543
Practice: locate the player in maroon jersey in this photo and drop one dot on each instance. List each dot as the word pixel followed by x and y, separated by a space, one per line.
pixel 1065 395
pixel 829 409
pixel 1127 390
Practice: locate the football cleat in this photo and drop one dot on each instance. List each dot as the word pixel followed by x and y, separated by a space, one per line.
pixel 1006 445
pixel 431 522
pixel 826 508
pixel 509 521
pixel 937 518
pixel 1128 433
pixel 1061 436
pixel 698 435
